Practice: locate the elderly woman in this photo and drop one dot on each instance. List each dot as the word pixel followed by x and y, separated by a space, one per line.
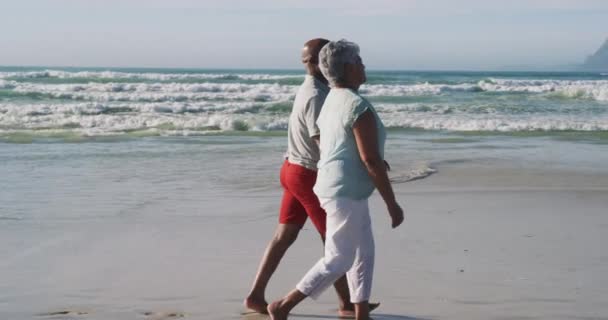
pixel 350 168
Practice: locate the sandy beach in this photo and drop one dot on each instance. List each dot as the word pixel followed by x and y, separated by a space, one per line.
pixel 478 243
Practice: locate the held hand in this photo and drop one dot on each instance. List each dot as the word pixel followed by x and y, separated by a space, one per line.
pixel 396 214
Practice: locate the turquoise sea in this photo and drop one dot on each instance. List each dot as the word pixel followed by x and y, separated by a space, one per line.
pixel 73 104
pixel 89 133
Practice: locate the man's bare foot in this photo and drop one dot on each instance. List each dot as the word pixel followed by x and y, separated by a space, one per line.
pixel 275 312
pixel 257 305
pixel 349 312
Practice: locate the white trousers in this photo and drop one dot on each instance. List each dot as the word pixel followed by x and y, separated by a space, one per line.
pixel 349 248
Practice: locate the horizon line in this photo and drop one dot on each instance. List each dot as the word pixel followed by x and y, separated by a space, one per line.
pixel 565 68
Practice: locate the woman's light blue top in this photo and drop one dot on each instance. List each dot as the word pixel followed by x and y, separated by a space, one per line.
pixel 341 172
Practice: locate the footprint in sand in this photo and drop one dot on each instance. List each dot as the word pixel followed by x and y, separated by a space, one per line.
pixel 64 314
pixel 151 315
pixel 252 315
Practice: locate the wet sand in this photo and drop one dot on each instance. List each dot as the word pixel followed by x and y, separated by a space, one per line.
pixel 488 243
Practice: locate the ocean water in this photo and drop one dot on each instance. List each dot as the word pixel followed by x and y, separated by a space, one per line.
pixel 443 113
pixel 557 119
pixel 77 104
pixel 124 138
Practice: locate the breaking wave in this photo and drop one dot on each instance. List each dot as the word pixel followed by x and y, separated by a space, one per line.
pixel 61 74
pixel 169 104
pixel 579 89
pixel 100 118
pixel 586 89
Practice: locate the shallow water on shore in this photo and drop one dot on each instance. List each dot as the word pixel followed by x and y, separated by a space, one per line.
pixel 57 180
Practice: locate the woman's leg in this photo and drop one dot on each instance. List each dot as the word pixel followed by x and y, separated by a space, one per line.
pixel 279 310
pixel 360 275
pixel 342 227
pixel 340 248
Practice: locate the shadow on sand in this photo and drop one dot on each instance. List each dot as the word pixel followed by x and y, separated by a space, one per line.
pixel 250 315
pixel 374 316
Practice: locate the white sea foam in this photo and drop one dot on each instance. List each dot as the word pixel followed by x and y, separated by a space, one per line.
pixel 107 108
pixel 589 89
pixel 90 108
pixel 415 89
pixel 172 91
pixel 103 124
pixel 243 116
pixel 60 74
pixel 500 123
pixel 101 118
pixel 440 108
pixel 417 172
pixel 160 91
pixel 490 108
pixel 5 84
pixel 152 87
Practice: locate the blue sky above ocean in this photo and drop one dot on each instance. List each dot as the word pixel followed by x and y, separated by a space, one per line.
pixel 414 34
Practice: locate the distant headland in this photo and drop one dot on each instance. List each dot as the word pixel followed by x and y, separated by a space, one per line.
pixel 599 60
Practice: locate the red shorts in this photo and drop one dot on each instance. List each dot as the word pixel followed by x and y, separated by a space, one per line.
pixel 299 201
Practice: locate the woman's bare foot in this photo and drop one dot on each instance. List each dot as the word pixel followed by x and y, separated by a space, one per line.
pixel 276 312
pixel 256 304
pixel 349 312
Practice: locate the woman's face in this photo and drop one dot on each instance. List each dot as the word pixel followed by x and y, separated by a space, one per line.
pixel 356 72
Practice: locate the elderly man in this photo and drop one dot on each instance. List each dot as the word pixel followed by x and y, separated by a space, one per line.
pixel 298 176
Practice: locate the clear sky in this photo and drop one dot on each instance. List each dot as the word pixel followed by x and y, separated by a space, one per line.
pixel 393 34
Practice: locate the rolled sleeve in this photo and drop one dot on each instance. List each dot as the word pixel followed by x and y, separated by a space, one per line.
pixel 358 109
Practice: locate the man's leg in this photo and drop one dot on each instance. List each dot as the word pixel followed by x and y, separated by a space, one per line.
pixel 362 310
pixel 292 217
pixel 283 238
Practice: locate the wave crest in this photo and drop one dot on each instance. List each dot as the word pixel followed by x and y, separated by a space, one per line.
pixel 61 74
pixel 175 91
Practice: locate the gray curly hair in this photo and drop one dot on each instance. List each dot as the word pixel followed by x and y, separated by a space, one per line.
pixel 332 58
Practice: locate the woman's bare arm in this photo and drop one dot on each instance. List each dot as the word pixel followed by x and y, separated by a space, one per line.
pixel 366 136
